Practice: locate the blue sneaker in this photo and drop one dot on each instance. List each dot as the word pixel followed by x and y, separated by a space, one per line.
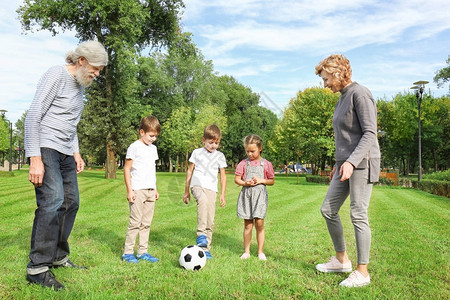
pixel 202 241
pixel 147 257
pixel 208 255
pixel 129 258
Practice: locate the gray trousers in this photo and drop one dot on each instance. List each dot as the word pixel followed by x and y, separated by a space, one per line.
pixel 360 190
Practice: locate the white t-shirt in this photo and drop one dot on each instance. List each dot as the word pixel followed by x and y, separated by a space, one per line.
pixel 143 169
pixel 207 166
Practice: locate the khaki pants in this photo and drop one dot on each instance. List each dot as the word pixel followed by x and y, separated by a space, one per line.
pixel 206 209
pixel 141 215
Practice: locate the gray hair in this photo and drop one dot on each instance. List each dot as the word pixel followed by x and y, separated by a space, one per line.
pixel 93 51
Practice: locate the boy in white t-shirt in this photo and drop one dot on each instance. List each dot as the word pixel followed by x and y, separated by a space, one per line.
pixel 201 178
pixel 140 179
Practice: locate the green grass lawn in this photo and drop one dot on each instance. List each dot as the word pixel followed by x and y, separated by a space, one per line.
pixel 410 256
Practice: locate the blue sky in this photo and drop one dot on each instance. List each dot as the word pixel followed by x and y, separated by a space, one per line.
pixel 270 46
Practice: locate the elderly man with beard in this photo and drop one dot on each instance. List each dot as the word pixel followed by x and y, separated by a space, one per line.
pixel 51 144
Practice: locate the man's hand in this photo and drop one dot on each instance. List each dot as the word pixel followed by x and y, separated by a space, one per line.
pixel 79 162
pixel 36 173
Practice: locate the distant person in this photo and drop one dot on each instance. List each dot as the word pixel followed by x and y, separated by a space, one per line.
pixel 201 178
pixel 357 167
pixel 140 179
pixel 51 144
pixel 253 174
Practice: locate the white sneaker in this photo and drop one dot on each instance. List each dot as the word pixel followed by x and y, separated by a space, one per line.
pixel 334 265
pixel 356 279
pixel 262 256
pixel 245 255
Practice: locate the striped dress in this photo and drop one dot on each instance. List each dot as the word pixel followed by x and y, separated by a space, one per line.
pixel 52 119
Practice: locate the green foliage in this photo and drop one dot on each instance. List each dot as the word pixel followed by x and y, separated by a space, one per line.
pixel 244 117
pixel 115 23
pixel 306 130
pixel 443 175
pixel 437 187
pixel 385 181
pixel 318 179
pixel 176 131
pixel 6 174
pixel 398 132
pixel 443 75
pixel 4 135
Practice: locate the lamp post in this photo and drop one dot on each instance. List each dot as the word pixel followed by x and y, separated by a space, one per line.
pixel 419 86
pixel 3 112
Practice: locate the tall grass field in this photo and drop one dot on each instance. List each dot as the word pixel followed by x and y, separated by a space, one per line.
pixel 410 254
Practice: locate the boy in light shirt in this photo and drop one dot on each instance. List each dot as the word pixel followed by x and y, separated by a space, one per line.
pixel 140 180
pixel 201 179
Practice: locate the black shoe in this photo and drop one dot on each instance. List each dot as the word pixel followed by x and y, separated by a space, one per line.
pixel 46 279
pixel 68 264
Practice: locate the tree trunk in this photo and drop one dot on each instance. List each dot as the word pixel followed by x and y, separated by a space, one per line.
pixel 111 167
pixel 435 160
pixel 177 163
pixel 170 164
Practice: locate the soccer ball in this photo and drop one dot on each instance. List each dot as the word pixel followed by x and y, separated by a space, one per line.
pixel 192 258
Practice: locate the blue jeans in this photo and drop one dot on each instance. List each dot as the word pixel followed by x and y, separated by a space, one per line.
pixel 57 205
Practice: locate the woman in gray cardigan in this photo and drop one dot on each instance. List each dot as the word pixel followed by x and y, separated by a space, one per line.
pixel 357 167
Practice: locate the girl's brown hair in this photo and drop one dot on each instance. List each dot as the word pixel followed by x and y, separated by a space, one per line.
pixel 253 139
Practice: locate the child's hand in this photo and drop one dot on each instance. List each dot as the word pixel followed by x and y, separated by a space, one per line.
pixel 222 201
pixel 257 180
pixel 249 182
pixel 186 197
pixel 131 196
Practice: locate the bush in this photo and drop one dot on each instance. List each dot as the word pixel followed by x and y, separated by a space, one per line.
pixel 444 175
pixel 437 187
pixel 405 182
pixel 318 179
pixel 385 181
pixel 6 174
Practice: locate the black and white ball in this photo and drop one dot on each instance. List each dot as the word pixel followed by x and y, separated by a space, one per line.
pixel 192 258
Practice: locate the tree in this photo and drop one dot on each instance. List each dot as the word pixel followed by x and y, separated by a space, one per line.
pixel 179 77
pixel 4 136
pixel 398 132
pixel 244 116
pixel 176 134
pixel 125 28
pixel 435 128
pixel 443 75
pixel 306 130
pixel 398 122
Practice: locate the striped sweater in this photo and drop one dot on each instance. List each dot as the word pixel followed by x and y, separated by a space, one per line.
pixel 52 119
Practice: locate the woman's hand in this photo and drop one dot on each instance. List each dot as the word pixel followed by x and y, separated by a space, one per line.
pixel 346 171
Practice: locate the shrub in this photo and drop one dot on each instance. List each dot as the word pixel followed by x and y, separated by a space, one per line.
pixel 437 187
pixel 385 181
pixel 444 175
pixel 317 179
pixel 6 174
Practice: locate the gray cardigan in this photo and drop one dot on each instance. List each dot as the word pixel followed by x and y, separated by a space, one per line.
pixel 355 129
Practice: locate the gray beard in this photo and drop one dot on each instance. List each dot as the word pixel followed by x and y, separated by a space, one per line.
pixel 82 76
